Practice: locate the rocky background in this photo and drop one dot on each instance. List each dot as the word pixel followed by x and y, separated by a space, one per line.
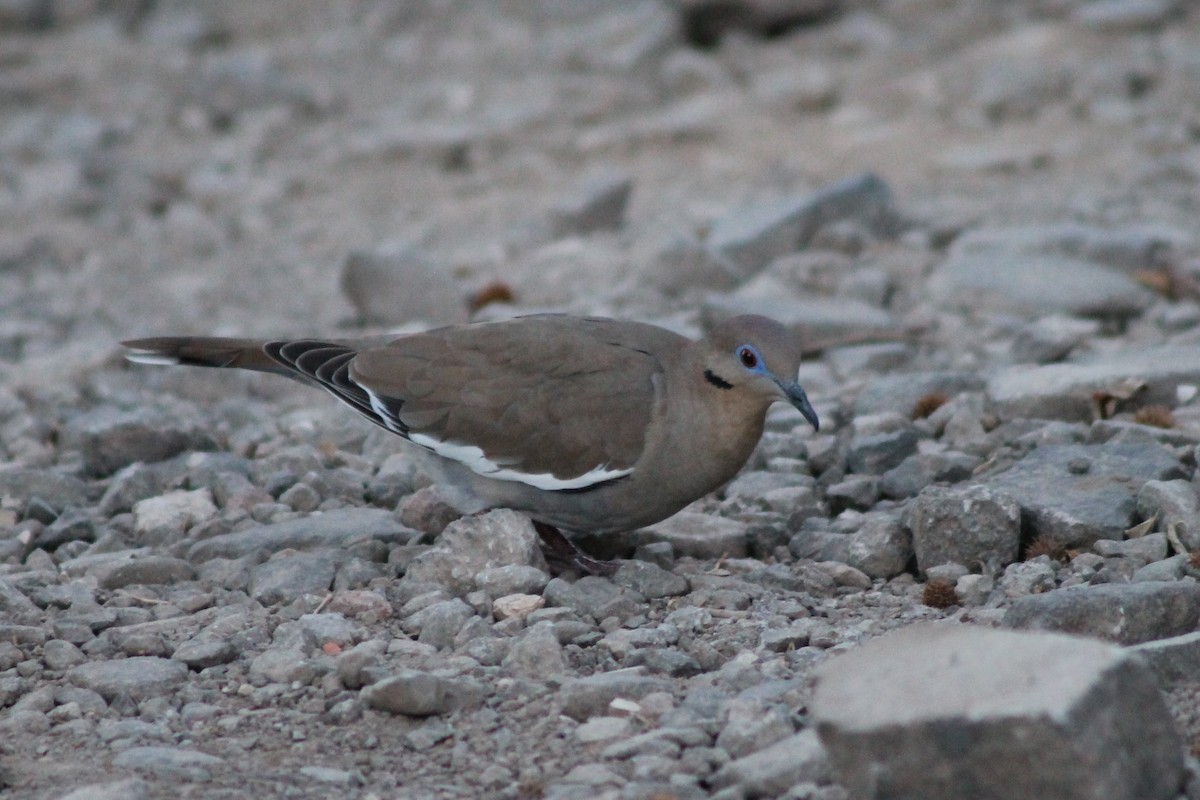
pixel 981 215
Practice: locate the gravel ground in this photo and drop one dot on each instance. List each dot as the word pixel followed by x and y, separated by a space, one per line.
pixel 981 216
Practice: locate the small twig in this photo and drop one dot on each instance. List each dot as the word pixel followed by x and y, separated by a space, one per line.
pixel 323 603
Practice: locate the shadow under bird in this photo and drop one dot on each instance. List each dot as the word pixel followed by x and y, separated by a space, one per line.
pixel 585 424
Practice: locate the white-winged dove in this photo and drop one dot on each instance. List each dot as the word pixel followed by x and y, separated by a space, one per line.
pixel 587 424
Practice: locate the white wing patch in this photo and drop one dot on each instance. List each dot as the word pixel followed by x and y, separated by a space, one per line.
pixel 474 459
pixel 151 357
pixel 382 412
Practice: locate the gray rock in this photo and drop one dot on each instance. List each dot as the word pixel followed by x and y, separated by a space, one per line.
pixel 165 519
pixel 428 511
pixel 750 725
pixel 422 694
pixel 770 772
pixel 1064 391
pixel 21 484
pixel 818 320
pixel 1028 577
pixel 684 264
pixel 755 483
pixel 919 470
pixel 170 762
pixel 15 606
pixel 602 729
pixel 1075 494
pixel 648 580
pixel 597 204
pixel 22 634
pixel 753 236
pixel 288 657
pixel 108 439
pixel 286 577
pixel 60 655
pixel 699 535
pixel 1140 551
pixel 877 453
pixel 536 653
pixel 1124 613
pixel 1030 283
pixel 584 698
pixel 1032 715
pixel 126 789
pixel 881 547
pixel 593 597
pixel 857 492
pixel 131 484
pixel 1051 339
pixel 1175 661
pixel 438 624
pixel 900 393
pixel 473 544
pixel 204 651
pixel 1129 249
pixel 1177 505
pixel 853 360
pixel 146 571
pixel 965 525
pixel 511 579
pixel 1168 569
pixel 139 677
pixel 1125 16
pixel 328 529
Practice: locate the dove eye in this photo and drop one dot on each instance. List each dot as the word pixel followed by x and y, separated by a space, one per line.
pixel 748 356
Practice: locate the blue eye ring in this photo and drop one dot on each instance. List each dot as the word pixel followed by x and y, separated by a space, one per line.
pixel 749 358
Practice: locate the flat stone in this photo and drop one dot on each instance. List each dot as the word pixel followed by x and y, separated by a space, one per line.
pixel 699 535
pixel 919 470
pixel 138 677
pixel 1133 248
pixel 597 204
pixel 584 698
pixel 398 284
pixel 284 578
pixel 1028 715
pixel 1034 284
pixel 972 525
pixel 770 772
pixel 511 579
pixel 109 439
pixel 600 729
pixel 593 597
pixel 126 789
pixel 877 453
pixel 1064 391
pixel 900 393
pixel 333 529
pixel 18 485
pixel 1124 613
pixel 1175 661
pixel 171 762
pixel 422 694
pixel 147 571
pixel 1140 551
pixel 1075 494
pixel 205 651
pixel 753 236
pixel 649 580
pixel 818 320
